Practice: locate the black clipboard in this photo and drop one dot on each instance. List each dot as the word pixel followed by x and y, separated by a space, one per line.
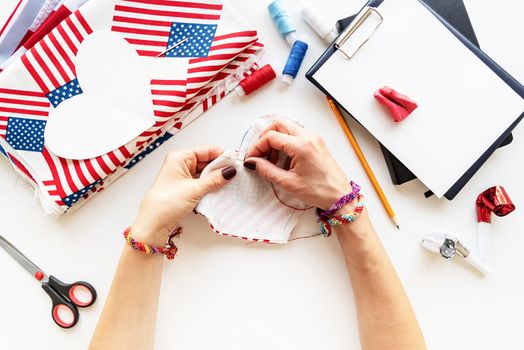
pixel 505 76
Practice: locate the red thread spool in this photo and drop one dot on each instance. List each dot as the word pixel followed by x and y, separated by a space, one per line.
pixel 256 80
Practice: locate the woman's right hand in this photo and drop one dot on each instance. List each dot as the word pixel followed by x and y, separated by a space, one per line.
pixel 313 175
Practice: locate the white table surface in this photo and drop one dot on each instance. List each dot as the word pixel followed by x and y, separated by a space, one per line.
pixel 223 294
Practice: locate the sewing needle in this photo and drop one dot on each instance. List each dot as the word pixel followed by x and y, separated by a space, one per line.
pixel 172 47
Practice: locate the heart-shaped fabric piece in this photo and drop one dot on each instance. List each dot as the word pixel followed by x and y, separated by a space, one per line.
pixel 115 106
pixel 249 206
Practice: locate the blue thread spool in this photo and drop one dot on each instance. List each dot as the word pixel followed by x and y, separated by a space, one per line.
pixel 294 60
pixel 282 21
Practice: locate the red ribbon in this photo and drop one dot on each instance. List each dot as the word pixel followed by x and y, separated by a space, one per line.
pixel 493 200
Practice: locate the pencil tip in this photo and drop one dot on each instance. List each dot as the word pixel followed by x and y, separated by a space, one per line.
pixel 398 227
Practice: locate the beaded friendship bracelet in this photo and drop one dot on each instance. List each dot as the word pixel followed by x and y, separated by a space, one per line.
pixel 327 224
pixel 339 204
pixel 169 250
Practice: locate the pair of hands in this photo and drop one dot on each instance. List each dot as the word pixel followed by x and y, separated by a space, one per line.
pixel 313 177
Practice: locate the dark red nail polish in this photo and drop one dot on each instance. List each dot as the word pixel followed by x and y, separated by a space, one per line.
pixel 250 165
pixel 229 172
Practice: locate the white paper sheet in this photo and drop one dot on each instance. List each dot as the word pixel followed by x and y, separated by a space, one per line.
pixel 463 106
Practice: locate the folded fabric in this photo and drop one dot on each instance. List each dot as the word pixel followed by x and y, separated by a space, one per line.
pixel 46 81
pixel 250 207
pixel 51 14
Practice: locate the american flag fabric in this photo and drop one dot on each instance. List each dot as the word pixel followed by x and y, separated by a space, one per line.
pixel 218 51
pixel 50 62
pixel 51 15
pixel 152 26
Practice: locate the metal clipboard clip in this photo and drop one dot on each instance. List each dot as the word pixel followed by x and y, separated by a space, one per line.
pixel 357 33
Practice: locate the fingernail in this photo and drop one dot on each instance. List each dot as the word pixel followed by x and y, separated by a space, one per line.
pixel 250 165
pixel 229 172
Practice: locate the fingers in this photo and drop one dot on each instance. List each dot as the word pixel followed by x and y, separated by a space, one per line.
pixel 207 153
pixel 285 126
pixel 196 159
pixel 276 141
pixel 215 180
pixel 268 170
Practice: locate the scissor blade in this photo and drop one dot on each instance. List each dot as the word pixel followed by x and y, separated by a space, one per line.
pixel 19 257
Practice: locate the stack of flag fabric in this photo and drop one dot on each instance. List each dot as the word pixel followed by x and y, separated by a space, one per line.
pixel 218 51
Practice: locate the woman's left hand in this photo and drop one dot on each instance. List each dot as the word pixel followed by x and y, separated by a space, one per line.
pixel 176 191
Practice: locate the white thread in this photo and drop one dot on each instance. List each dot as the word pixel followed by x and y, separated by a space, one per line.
pixel 312 17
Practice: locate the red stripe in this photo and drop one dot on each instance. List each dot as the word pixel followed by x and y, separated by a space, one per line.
pixel 206 69
pixel 48 182
pixel 3 127
pixel 227 56
pixel 231 45
pixel 52 166
pixel 22 92
pixel 103 165
pixel 168 103
pixel 91 169
pixel 55 61
pixel 114 159
pixel 33 73
pixel 252 33
pixel 199 79
pixel 83 22
pixel 80 173
pixel 147 42
pixel 163 114
pixel 169 93
pixel 61 51
pixel 204 105
pixel 124 151
pixel 187 4
pixel 45 68
pixel 148 53
pixel 66 38
pixel 68 176
pixel 24 102
pixel 149 22
pixel 140 31
pixel 24 111
pixel 74 29
pixel 11 16
pixel 166 13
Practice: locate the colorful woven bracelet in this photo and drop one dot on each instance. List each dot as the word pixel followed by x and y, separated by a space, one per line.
pixel 327 224
pixel 169 250
pixel 326 214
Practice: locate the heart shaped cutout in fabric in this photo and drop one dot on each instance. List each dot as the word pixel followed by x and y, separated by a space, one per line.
pixel 115 106
pixel 249 206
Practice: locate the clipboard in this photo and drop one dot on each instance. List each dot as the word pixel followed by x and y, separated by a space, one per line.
pixel 501 73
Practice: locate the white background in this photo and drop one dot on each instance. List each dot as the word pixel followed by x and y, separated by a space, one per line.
pixel 223 294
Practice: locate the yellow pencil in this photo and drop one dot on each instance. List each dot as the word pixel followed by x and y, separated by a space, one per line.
pixel 363 161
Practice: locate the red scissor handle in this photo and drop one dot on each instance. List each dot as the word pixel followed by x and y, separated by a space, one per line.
pixel 64 313
pixel 66 299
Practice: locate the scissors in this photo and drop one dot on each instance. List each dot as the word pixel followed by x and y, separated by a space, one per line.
pixel 66 298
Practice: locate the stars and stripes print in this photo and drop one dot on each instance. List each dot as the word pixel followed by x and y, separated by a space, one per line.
pixel 23 115
pixel 169 96
pixel 51 61
pixel 148 25
pixel 70 176
pixel 225 48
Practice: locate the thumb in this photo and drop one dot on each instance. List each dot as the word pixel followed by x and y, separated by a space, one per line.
pixel 215 180
pixel 266 169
